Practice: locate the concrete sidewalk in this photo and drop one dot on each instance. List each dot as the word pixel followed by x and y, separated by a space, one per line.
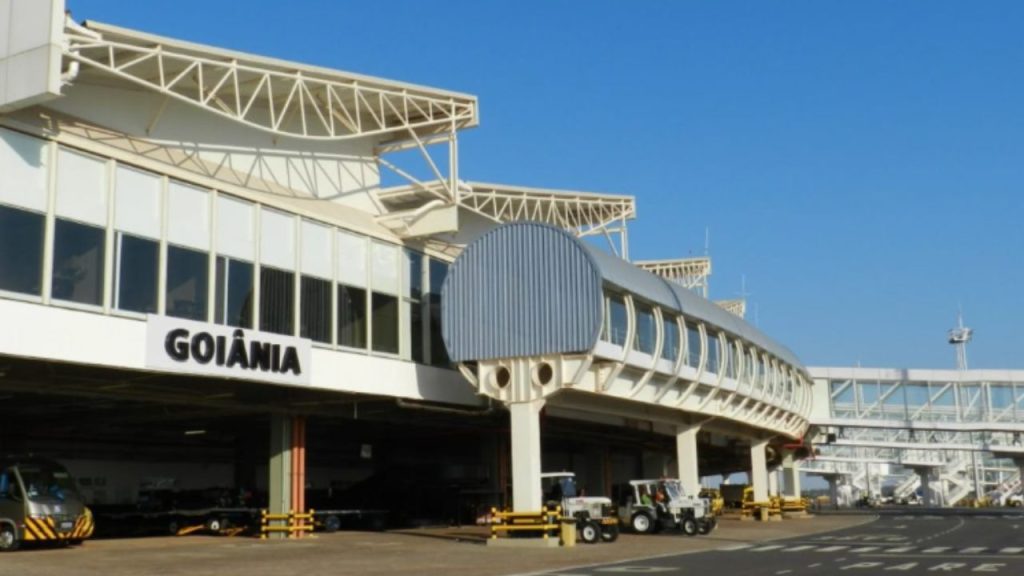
pixel 448 551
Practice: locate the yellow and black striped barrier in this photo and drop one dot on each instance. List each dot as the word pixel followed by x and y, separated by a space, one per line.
pixel 293 524
pixel 42 529
pixel 545 521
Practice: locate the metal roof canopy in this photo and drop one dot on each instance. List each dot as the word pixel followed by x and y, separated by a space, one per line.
pixel 277 96
pixel 690 273
pixel 580 213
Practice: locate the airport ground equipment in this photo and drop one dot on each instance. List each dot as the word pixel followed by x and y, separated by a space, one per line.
pixel 649 506
pixel 39 502
pixel 595 516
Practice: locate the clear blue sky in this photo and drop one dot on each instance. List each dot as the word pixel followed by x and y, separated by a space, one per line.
pixel 862 163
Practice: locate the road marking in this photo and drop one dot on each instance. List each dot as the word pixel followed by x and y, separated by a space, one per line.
pixel 900 550
pixel 832 548
pixel 815 565
pixel 972 550
pixel 783 571
pixel 1011 550
pixel 798 548
pixel 767 548
pixel 735 547
pixel 863 550
pixel 636 569
pixel 935 550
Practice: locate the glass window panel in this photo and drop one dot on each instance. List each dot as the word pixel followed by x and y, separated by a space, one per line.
pixel 23 164
pixel 316 251
pixel 646 334
pixel 234 292
pixel 236 228
pixel 730 358
pixel 188 216
pixel 618 320
pixel 136 272
pixel 351 316
pixel 693 345
pixel 277 301
pixel 385 268
pixel 843 397
pixel 137 202
pixel 78 253
pixel 1002 396
pixel 81 187
pixel 670 349
pixel 713 353
pixel 21 250
pixel 413 274
pixel 317 314
pixel 438 271
pixel 277 239
pixel 385 323
pixel 416 304
pixel 188 280
pixel 351 256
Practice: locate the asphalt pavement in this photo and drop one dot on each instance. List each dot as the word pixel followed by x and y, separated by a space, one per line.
pixel 909 541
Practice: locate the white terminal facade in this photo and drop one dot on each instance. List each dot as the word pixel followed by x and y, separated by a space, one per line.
pixel 201 275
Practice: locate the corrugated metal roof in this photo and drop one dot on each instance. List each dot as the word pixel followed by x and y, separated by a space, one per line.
pixel 522 289
pixel 657 290
pixel 528 289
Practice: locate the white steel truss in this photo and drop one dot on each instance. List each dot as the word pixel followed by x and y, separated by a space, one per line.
pixel 281 98
pixel 690 273
pixel 737 307
pixel 582 213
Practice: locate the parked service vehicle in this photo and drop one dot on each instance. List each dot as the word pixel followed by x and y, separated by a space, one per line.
pixel 39 502
pixel 595 516
pixel 649 506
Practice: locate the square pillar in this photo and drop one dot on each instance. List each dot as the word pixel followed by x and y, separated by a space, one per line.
pixel 279 494
pixel 524 418
pixel 791 475
pixel 759 470
pixel 773 481
pixel 686 459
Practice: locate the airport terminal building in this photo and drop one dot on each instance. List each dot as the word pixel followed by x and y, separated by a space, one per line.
pixel 204 284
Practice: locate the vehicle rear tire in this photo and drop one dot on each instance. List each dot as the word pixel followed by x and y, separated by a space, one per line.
pixel 216 524
pixel 590 532
pixel 332 523
pixel 689 526
pixel 8 540
pixel 610 533
pixel 641 523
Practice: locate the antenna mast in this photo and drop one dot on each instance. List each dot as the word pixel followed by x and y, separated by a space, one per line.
pixel 959 337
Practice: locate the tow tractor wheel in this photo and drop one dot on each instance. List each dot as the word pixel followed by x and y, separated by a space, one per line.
pixel 689 526
pixel 332 523
pixel 216 524
pixel 641 523
pixel 8 541
pixel 610 533
pixel 590 532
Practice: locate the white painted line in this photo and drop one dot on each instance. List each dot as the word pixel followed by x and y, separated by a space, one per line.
pixel 973 550
pixel 799 548
pixel 832 548
pixel 735 547
pixel 783 571
pixel 900 550
pixel 935 550
pixel 1011 550
pixel 864 550
pixel 767 548
pixel 815 565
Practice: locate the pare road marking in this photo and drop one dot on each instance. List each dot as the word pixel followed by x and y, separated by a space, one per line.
pixel 942 567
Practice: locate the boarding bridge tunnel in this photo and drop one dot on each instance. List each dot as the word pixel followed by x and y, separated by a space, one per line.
pixel 949 433
pixel 539 320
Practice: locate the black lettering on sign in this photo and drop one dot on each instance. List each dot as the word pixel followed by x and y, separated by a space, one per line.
pixel 204 348
pixel 176 344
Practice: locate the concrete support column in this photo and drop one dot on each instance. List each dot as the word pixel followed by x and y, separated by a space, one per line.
pixel 279 496
pixel 833 490
pixel 773 481
pixel 925 474
pixel 759 470
pixel 686 459
pixel 525 431
pixel 298 467
pixel 791 475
